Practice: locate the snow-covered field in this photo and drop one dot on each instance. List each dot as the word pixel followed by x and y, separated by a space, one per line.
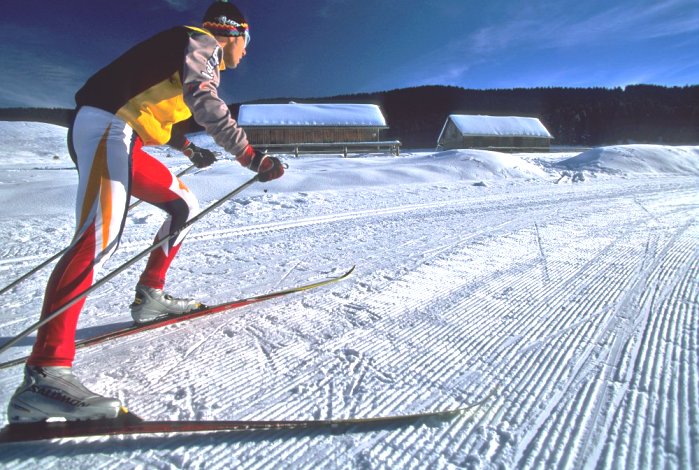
pixel 568 284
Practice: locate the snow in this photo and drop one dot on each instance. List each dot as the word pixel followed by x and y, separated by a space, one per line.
pixel 309 114
pixel 517 126
pixel 647 159
pixel 563 288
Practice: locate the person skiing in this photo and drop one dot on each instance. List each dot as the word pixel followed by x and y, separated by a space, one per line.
pixel 131 103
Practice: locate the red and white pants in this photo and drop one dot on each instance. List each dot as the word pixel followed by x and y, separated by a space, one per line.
pixel 112 166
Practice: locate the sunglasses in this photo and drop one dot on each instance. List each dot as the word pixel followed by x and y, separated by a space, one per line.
pixel 242 29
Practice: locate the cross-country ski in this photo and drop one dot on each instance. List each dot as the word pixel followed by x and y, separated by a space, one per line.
pixel 128 423
pixel 206 310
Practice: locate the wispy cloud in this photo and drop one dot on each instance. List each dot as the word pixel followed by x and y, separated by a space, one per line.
pixel 549 25
pixel 546 43
pixel 37 76
pixel 625 23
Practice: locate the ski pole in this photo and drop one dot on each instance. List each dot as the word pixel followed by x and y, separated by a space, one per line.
pixel 128 263
pixel 60 253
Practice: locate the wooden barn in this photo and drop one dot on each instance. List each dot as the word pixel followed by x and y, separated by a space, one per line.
pixel 309 127
pixel 502 133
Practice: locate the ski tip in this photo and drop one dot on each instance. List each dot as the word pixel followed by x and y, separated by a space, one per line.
pixel 125 416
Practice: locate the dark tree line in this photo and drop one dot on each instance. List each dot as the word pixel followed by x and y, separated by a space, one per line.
pixel 575 116
pixel 58 116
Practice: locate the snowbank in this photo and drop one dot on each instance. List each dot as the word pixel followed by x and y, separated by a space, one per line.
pixel 484 164
pixel 321 173
pixel 33 145
pixel 37 176
pixel 637 159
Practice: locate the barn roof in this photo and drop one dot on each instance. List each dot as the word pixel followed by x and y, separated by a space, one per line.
pixel 306 114
pixel 505 126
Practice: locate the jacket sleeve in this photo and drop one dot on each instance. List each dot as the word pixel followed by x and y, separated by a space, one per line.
pixel 178 137
pixel 200 79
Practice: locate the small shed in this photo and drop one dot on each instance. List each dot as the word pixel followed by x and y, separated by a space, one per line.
pixel 314 127
pixel 504 133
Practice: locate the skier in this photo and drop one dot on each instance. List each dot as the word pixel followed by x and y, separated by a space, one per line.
pixel 131 103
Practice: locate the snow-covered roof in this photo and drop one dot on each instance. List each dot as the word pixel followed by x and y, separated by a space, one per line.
pixel 509 126
pixel 307 114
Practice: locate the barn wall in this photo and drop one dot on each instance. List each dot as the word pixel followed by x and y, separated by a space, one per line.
pixel 452 138
pixel 505 143
pixel 300 135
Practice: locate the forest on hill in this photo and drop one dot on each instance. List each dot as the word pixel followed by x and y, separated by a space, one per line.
pixel 575 116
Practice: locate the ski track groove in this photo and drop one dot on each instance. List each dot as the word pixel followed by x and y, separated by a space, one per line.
pixel 643 360
pixel 324 354
pixel 129 246
pixel 424 367
pixel 606 279
pixel 658 339
pixel 548 434
pixel 517 281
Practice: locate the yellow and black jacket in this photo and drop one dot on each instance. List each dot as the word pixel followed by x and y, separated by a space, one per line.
pixel 164 80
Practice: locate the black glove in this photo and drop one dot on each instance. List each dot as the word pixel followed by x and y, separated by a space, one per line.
pixel 199 156
pixel 268 168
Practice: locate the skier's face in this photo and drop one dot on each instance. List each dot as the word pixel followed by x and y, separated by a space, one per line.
pixel 233 51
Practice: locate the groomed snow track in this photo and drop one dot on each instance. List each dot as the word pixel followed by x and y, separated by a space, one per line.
pixel 578 304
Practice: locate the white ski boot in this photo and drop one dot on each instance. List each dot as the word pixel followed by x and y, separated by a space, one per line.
pixel 54 392
pixel 153 304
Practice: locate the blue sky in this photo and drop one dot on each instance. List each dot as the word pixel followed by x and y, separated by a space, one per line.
pixel 328 47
